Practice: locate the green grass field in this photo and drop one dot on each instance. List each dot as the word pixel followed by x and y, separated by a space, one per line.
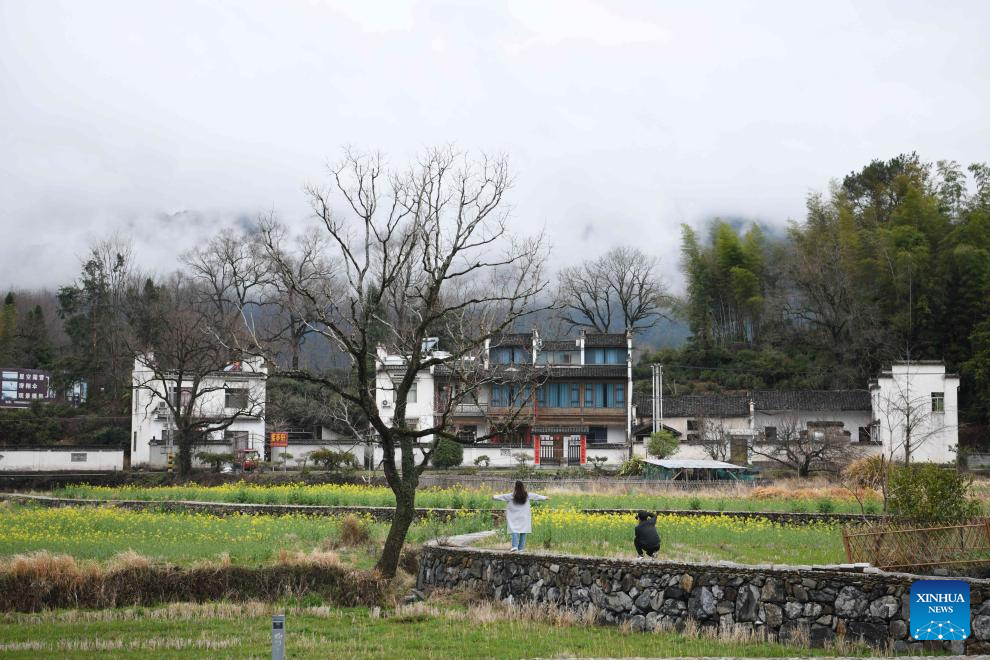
pixel 610 497
pixel 684 538
pixel 423 631
pixel 182 538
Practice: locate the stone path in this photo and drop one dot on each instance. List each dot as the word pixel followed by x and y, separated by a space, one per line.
pixel 463 540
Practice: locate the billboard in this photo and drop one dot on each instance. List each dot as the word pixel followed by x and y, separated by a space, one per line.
pixel 19 387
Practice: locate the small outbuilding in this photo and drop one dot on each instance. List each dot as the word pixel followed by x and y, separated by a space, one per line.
pixel 670 469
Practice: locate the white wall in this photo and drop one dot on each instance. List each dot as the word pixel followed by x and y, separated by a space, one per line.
pixel 851 419
pixel 37 460
pixel 615 435
pixel 908 388
pixel 419 412
pixel 298 449
pixel 147 424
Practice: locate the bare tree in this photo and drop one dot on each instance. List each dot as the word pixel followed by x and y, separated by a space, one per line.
pixel 821 447
pixel 714 438
pixel 420 253
pixel 619 291
pixel 186 369
pixel 232 269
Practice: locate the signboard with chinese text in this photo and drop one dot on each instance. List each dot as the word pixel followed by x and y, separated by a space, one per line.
pixel 279 439
pixel 19 387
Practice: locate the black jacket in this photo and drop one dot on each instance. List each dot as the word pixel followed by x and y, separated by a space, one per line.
pixel 646 533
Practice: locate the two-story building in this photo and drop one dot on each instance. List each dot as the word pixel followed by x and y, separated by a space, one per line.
pixel 553 399
pixel 916 411
pixel 910 405
pixel 238 391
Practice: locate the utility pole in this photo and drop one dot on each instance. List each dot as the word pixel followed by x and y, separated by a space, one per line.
pixel 657 398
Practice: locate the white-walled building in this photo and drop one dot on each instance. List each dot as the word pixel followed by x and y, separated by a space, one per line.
pixel 238 391
pixel 916 411
pixel 918 397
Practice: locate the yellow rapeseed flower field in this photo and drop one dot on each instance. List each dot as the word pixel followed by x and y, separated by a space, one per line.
pixel 102 532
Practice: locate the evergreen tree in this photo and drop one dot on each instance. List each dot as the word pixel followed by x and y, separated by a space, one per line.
pixel 8 332
pixel 36 345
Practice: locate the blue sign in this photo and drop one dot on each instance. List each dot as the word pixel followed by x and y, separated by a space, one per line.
pixel 940 609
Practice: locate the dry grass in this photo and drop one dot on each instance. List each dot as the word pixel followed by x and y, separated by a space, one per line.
pixel 475 611
pixel 128 559
pixel 43 566
pixel 794 491
pixel 324 559
pixel 353 532
pixel 43 580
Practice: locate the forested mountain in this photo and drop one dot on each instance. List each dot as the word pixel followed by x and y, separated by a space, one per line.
pixel 893 263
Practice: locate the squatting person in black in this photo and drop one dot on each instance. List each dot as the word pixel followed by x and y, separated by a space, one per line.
pixel 647 539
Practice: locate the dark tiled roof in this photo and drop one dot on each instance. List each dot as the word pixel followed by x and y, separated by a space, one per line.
pixel 560 345
pixel 527 371
pixel 517 339
pixel 703 405
pixel 812 400
pixel 737 405
pixel 589 371
pixel 598 340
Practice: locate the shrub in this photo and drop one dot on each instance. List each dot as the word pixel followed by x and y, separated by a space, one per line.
pixel 662 444
pixel 825 505
pixel 109 436
pixel 930 495
pixel 598 462
pixel 215 460
pixel 334 460
pixel 694 503
pixel 447 454
pixel 482 461
pixel 632 467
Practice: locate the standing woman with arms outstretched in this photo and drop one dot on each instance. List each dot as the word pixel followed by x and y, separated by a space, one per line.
pixel 518 516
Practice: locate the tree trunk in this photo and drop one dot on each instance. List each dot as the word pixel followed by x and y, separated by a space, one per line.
pixel 184 462
pixel 405 510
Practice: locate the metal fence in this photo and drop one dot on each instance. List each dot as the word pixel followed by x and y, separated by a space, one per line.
pixel 889 547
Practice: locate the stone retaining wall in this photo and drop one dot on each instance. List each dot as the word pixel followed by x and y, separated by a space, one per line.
pixel 821 602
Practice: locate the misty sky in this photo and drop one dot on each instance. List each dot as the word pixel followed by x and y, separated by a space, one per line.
pixel 165 120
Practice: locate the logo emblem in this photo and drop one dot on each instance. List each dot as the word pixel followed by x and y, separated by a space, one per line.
pixel 939 609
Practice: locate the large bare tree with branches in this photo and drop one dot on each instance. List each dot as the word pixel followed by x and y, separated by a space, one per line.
pixel 821 447
pixel 232 269
pixel 619 291
pixel 179 365
pixel 404 256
